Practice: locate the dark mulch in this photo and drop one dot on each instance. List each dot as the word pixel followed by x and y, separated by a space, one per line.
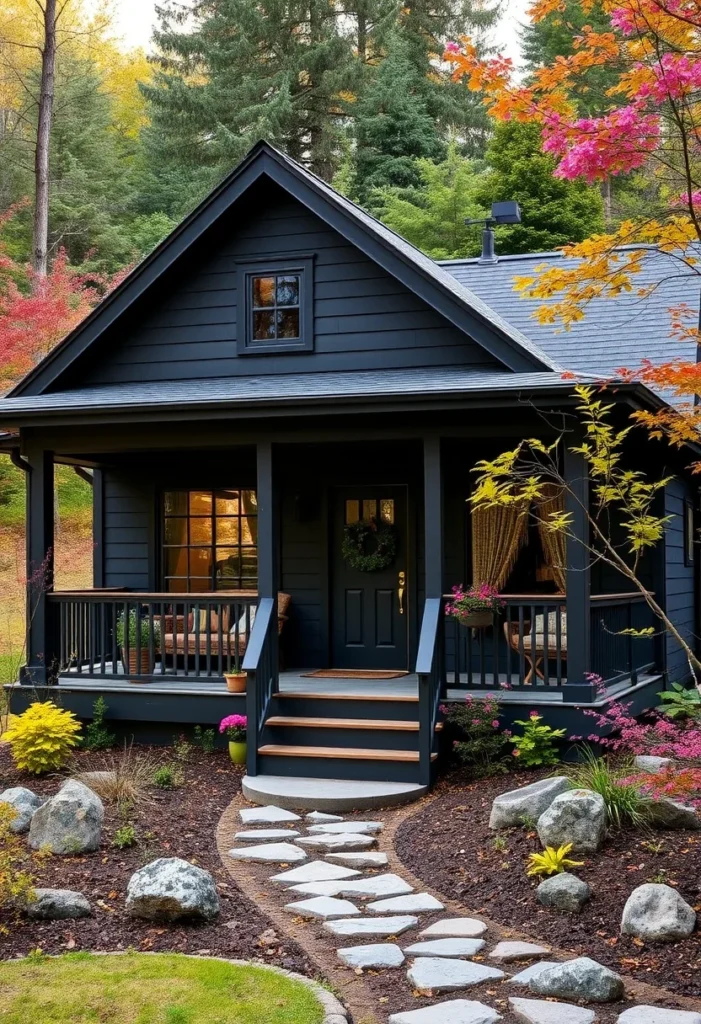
pixel 177 823
pixel 449 844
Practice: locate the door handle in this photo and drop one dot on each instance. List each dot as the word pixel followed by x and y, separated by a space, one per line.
pixel 400 591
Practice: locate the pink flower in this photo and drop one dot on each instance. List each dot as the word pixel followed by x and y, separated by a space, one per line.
pixel 495 723
pixel 595 147
pixel 516 753
pixel 452 47
pixel 534 714
pixel 233 724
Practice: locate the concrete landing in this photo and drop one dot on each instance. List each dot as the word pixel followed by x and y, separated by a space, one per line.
pixel 328 794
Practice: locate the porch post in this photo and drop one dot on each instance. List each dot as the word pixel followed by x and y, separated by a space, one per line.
pixel 578 577
pixel 267 522
pixel 433 515
pixel 41 650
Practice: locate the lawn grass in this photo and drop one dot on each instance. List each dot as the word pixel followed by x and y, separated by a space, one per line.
pixel 138 988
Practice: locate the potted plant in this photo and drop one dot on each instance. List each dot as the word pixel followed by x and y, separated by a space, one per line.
pixel 139 661
pixel 475 607
pixel 235 728
pixel 235 681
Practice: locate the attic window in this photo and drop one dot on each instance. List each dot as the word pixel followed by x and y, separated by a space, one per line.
pixel 275 307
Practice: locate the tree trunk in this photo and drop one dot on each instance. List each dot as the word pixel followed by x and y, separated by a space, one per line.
pixel 40 238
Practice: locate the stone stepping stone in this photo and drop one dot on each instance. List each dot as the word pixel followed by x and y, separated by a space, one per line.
pixel 658 1015
pixel 356 827
pixel 323 907
pixel 322 816
pixel 538 1011
pixel 375 885
pixel 266 815
pixel 372 925
pixel 446 947
pixel 508 951
pixel 341 841
pixel 265 835
pixel 315 871
pixel 456 927
pixel 360 860
pixel 377 954
pixel 455 1011
pixel 416 903
pixel 533 971
pixel 269 853
pixel 440 974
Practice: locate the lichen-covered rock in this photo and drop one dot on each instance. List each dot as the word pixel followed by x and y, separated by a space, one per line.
pixel 509 809
pixel 657 913
pixel 577 817
pixel 563 892
pixel 58 904
pixel 664 813
pixel 170 888
pixel 582 978
pixel 68 823
pixel 24 803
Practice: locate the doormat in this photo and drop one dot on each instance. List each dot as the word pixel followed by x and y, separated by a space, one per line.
pixel 354 673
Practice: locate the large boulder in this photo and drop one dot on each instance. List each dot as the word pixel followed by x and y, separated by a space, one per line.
pixel 583 979
pixel 509 809
pixel 24 803
pixel 657 913
pixel 170 888
pixel 58 904
pixel 68 823
pixel 563 892
pixel 651 765
pixel 665 813
pixel 577 817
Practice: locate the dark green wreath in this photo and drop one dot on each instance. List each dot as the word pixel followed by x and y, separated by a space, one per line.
pixel 355 539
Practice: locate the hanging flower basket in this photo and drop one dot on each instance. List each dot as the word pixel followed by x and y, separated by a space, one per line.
pixel 369 545
pixel 474 608
pixel 478 619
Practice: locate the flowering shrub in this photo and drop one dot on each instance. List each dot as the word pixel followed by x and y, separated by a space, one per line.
pixel 235 727
pixel 42 738
pixel 478 598
pixel 537 745
pixel 674 782
pixel 481 743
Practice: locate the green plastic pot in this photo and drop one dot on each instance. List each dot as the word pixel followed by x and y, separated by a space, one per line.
pixel 237 751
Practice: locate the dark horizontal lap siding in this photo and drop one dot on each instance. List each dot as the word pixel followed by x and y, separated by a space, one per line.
pixel 363 317
pixel 128 518
pixel 680 581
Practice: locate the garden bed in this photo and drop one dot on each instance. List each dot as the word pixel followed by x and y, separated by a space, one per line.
pixel 449 844
pixel 170 823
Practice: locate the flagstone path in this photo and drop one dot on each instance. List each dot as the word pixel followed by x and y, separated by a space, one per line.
pixel 360 902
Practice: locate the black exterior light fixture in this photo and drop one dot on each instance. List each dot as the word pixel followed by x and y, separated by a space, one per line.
pixel 507 212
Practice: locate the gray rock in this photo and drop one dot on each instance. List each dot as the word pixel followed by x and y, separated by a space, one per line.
pixel 564 892
pixel 169 888
pixel 538 1011
pixel 58 904
pixel 360 860
pixel 269 853
pixel 658 1015
pixel 270 815
pixel 657 913
pixel 440 974
pixel 577 817
pixel 508 951
pixel 68 823
pixel 529 801
pixel 458 927
pixel 581 979
pixel 455 1011
pixel 338 841
pixel 446 947
pixel 372 925
pixel 315 871
pixel 357 828
pixel 325 908
pixel 523 977
pixel 265 835
pixel 664 813
pixel 376 886
pixel 647 763
pixel 414 903
pixel 314 816
pixel 24 803
pixel 376 954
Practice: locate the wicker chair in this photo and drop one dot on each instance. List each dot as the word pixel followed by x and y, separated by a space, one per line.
pixel 533 647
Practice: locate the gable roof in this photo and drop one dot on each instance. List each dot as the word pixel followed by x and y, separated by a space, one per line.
pixel 439 288
pixel 615 332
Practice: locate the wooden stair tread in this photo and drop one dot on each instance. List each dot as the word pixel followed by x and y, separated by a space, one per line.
pixel 305 722
pixel 347 753
pixel 385 698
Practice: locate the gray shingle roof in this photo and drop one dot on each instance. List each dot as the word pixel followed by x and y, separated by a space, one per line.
pixel 615 332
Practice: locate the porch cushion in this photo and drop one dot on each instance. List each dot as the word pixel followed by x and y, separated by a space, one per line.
pixel 552 624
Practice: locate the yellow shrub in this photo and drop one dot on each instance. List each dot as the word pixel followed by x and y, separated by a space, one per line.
pixel 16 885
pixel 41 739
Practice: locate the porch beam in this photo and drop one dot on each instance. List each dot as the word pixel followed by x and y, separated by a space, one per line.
pixel 578 586
pixel 41 639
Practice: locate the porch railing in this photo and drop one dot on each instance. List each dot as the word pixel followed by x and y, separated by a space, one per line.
pixel 430 668
pixel 261 665
pixel 151 637
pixel 616 652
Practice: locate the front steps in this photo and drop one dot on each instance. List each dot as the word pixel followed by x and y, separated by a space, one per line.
pixel 334 796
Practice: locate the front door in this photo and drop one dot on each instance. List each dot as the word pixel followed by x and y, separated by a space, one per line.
pixel 369 601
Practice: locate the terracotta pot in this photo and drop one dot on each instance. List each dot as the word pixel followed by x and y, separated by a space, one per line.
pixel 237 751
pixel 477 619
pixel 235 682
pixel 138 666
